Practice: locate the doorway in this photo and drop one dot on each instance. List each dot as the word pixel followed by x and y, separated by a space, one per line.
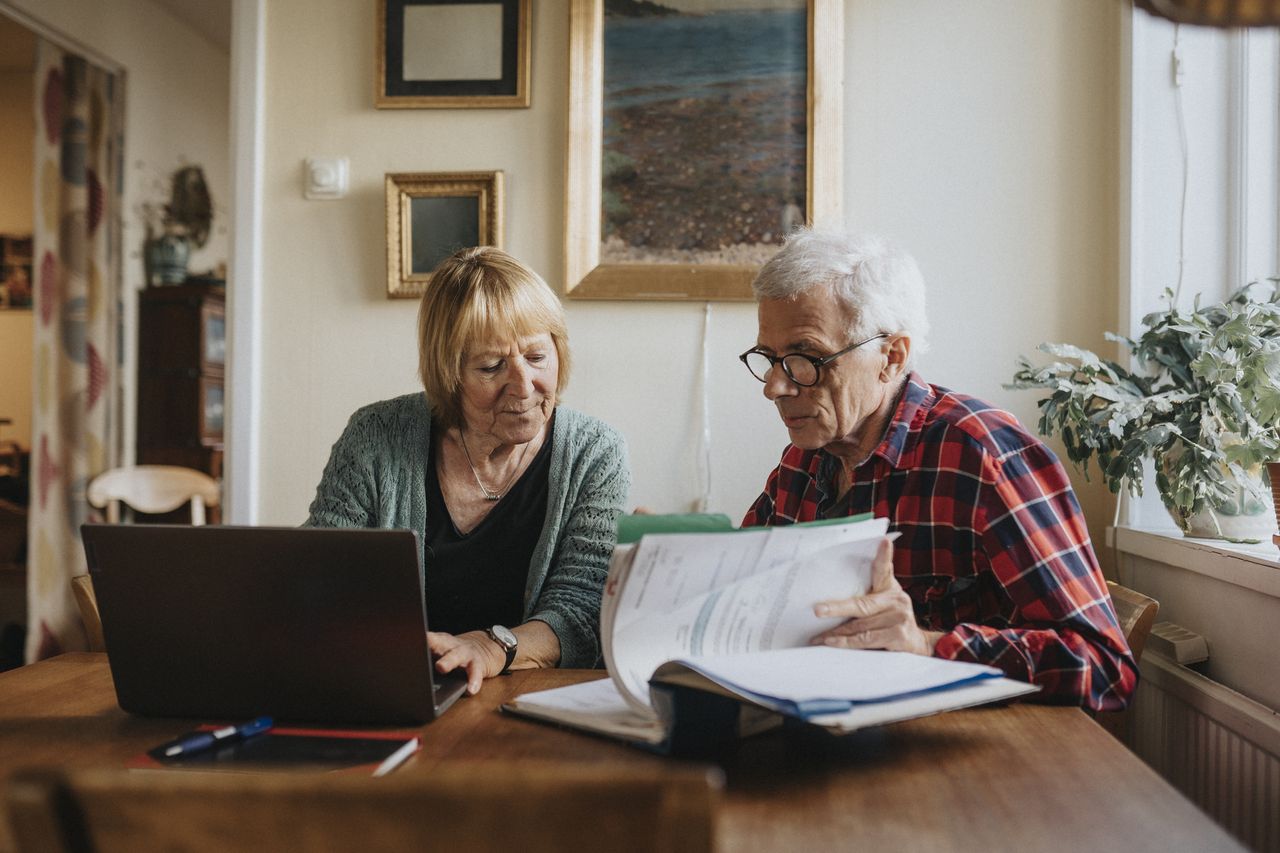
pixel 178 75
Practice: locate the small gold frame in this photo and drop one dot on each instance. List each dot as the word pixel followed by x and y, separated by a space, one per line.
pixel 404 281
pixel 393 91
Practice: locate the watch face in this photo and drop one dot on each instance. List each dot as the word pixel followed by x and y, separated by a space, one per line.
pixel 504 636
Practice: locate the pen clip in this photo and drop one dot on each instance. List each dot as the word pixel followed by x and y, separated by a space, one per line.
pixel 255 727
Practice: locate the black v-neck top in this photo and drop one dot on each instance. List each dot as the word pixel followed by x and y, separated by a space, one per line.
pixel 478 579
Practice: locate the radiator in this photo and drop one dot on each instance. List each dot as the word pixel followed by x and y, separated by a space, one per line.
pixel 1221 749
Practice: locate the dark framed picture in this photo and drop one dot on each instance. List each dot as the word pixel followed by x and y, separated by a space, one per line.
pixel 15 271
pixel 699 135
pixel 452 53
pixel 431 215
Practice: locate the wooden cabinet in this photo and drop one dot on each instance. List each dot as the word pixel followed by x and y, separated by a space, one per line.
pixel 181 376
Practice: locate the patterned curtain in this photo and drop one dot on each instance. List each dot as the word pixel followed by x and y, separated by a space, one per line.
pixel 75 417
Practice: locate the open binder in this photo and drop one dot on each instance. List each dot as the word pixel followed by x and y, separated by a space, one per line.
pixel 706 635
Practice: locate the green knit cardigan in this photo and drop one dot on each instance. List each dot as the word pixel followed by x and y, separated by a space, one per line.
pixel 377 476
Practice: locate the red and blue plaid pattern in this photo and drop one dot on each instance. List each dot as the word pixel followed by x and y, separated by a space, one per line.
pixel 993 548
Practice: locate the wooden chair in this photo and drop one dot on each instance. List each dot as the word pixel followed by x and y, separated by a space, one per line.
pixel 459 807
pixel 154 489
pixel 87 604
pixel 1137 613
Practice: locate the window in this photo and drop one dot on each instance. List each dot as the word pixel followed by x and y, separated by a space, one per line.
pixel 1205 105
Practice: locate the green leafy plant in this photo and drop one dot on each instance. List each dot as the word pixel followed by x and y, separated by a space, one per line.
pixel 1204 407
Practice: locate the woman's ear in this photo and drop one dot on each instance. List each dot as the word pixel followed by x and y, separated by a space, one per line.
pixel 897 349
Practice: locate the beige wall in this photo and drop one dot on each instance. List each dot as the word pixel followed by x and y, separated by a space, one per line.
pixel 17 200
pixel 982 136
pixel 17 141
pixel 177 88
pixel 15 375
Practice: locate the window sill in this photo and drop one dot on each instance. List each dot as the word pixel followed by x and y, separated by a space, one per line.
pixel 1229 594
pixel 1254 567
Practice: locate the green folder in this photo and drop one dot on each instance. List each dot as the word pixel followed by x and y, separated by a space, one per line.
pixel 632 527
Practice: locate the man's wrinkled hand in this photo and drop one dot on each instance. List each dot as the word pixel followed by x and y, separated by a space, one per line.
pixel 881 619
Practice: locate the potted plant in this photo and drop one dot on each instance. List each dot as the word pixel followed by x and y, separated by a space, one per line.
pixel 1204 408
pixel 173 227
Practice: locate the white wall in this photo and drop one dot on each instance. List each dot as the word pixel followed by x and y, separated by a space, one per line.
pixel 984 137
pixel 333 341
pixel 176 112
pixel 981 136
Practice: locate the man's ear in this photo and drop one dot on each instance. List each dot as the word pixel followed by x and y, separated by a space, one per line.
pixel 896 349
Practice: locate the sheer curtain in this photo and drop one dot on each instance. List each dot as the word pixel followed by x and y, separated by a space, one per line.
pixel 75 418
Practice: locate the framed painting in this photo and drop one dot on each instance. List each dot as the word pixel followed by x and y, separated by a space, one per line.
pixel 430 215
pixel 15 271
pixel 452 53
pixel 700 133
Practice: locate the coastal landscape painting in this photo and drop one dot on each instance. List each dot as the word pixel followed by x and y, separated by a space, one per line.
pixel 705 130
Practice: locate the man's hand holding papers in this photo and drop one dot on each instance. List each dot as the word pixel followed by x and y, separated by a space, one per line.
pixel 881 619
pixel 733 613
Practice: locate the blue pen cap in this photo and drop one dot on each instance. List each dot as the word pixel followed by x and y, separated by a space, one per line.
pixel 253 727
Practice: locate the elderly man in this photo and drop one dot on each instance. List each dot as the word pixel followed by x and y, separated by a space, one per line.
pixel 994 563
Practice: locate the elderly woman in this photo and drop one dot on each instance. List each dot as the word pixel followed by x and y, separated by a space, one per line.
pixel 514 498
pixel 993 563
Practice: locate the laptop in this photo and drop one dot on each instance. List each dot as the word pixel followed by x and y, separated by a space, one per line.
pixel 303 624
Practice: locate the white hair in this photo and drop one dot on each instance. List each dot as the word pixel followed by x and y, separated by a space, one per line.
pixel 880 284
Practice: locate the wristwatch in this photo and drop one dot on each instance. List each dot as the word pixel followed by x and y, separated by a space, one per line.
pixel 506 639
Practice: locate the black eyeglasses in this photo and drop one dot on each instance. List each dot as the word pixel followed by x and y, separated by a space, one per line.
pixel 800 368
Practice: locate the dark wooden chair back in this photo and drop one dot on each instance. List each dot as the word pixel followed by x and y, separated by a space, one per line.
pixel 464 807
pixel 1137 613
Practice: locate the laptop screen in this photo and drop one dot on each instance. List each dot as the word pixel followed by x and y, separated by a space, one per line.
pixel 305 624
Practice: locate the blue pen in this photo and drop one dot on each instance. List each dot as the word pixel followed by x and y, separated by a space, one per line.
pixel 200 741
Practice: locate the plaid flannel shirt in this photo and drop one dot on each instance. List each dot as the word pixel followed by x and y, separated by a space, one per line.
pixel 993 548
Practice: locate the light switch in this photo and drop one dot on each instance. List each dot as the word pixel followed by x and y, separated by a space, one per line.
pixel 326 177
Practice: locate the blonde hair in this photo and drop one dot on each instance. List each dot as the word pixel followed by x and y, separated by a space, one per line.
pixel 475 295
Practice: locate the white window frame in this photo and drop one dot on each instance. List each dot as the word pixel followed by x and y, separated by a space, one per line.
pixel 1230 92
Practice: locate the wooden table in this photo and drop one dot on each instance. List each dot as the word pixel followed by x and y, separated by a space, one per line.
pixel 1022 777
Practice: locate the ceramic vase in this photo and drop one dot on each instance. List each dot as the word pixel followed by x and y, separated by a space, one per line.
pixel 167 259
pixel 1273 474
pixel 1247 516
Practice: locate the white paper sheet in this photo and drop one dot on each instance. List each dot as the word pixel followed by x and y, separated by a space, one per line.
pixel 592 705
pixel 711 594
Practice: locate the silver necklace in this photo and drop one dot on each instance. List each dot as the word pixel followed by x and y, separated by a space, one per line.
pixel 491 495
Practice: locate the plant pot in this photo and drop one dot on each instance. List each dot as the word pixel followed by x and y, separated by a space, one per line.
pixel 167 259
pixel 1273 474
pixel 1246 517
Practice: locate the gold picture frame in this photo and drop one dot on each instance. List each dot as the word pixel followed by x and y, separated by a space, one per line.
pixel 586 276
pixel 430 215
pixel 446 54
